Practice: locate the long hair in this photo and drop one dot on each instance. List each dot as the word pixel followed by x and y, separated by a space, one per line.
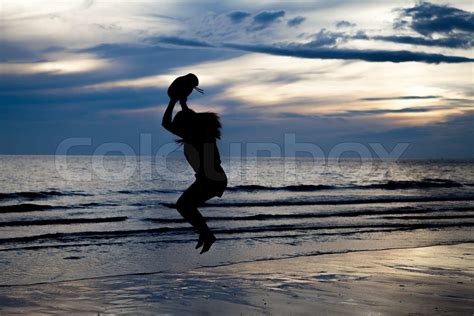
pixel 197 127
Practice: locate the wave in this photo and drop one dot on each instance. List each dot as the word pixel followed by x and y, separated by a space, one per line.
pixel 268 203
pixel 96 234
pixel 187 240
pixel 64 246
pixel 409 184
pixel 147 191
pixel 25 207
pixel 91 204
pixel 245 188
pixel 64 221
pixel 295 188
pixel 29 207
pixel 38 195
pixel 389 185
pixel 290 227
pixel 252 229
pixel 426 217
pixel 396 211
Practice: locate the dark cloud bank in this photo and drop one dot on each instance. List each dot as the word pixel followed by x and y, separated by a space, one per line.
pixel 452 27
pixel 438 25
pixel 316 50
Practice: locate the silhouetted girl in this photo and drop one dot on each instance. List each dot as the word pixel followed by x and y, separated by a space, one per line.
pixel 198 133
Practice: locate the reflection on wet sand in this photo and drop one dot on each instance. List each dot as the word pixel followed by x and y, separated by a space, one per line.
pixel 426 280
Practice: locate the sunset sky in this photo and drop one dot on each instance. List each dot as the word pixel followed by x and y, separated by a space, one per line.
pixel 327 71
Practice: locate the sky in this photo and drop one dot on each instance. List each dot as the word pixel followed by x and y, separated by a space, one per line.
pixel 325 72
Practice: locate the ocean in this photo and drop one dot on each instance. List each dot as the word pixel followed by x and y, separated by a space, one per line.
pixel 77 217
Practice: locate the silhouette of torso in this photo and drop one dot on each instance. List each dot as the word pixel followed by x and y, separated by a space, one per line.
pixel 200 148
pixel 204 158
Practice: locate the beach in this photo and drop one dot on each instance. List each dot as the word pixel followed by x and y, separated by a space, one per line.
pixel 423 280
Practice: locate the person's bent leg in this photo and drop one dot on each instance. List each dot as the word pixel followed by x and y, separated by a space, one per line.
pixel 187 205
pixel 189 211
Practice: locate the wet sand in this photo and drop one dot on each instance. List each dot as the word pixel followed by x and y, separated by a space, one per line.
pixel 427 280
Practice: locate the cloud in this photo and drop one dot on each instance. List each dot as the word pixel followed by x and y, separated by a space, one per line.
pixel 265 18
pixel 295 115
pixel 58 67
pixel 329 38
pixel 164 17
pixel 403 97
pixel 108 50
pixel 321 48
pixel 146 51
pixel 446 139
pixel 326 38
pixel 238 16
pixel 296 21
pixel 352 113
pixel 179 41
pixel 124 62
pixel 450 42
pixel 460 101
pixel 303 51
pixel 440 26
pixel 87 4
pixel 343 24
pixel 428 18
pixel 452 27
pixel 15 51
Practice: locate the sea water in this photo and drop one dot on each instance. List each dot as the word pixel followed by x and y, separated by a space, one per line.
pixel 76 217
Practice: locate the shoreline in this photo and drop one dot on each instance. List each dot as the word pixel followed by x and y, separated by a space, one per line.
pixel 427 280
pixel 309 255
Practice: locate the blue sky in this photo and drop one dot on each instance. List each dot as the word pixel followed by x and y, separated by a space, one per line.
pixel 329 72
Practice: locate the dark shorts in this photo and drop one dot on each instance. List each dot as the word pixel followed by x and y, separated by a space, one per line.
pixel 204 189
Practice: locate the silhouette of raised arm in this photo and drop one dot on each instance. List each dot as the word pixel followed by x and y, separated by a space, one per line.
pixel 167 121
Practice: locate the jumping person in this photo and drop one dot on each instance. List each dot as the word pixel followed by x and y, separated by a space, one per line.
pixel 199 133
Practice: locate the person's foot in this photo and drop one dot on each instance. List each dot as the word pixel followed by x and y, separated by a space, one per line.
pixel 200 241
pixel 208 241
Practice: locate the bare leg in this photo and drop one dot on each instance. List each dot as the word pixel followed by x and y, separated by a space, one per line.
pixel 191 214
pixel 187 207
